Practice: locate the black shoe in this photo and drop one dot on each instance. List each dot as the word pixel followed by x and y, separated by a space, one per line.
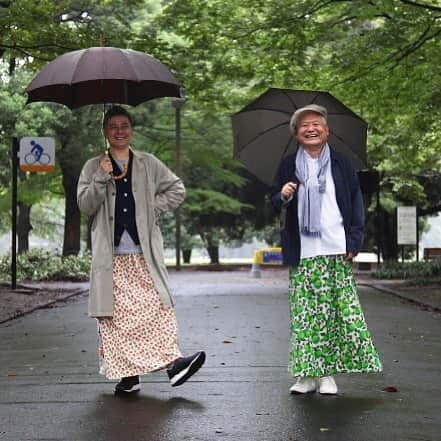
pixel 184 367
pixel 128 385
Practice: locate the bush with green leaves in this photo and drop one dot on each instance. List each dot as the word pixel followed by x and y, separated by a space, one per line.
pixel 422 272
pixel 38 265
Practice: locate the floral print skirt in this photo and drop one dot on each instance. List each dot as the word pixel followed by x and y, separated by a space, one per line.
pixel 141 337
pixel 328 330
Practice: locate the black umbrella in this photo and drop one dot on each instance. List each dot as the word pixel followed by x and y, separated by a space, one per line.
pixel 103 75
pixel 262 136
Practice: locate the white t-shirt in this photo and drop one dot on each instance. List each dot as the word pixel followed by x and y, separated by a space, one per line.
pixel 333 239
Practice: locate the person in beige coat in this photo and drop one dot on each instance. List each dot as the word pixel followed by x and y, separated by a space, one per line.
pixel 125 191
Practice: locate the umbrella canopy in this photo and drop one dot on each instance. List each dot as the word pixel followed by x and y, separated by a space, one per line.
pixel 103 75
pixel 262 136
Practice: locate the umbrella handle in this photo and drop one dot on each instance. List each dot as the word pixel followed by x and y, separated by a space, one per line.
pixel 122 175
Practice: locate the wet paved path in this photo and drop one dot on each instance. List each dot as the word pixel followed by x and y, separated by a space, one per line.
pixel 50 389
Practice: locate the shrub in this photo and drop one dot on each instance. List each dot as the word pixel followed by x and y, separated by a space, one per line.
pixel 427 270
pixel 39 265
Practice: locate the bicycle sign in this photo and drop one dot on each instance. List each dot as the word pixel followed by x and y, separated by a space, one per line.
pixel 37 154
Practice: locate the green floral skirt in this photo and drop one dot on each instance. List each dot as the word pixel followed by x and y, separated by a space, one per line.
pixel 328 330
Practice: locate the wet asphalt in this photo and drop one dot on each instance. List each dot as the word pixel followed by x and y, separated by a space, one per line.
pixel 50 388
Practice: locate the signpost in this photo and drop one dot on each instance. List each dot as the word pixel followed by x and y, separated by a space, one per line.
pixel 37 154
pixel 32 154
pixel 14 165
pixel 407 228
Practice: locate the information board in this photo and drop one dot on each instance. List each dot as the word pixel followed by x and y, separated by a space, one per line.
pixel 406 226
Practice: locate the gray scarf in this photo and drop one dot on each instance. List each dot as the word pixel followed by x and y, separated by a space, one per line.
pixel 311 191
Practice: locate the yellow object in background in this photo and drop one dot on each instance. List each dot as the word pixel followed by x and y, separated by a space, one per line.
pixel 268 256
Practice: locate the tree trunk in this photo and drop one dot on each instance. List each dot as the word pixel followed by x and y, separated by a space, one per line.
pixel 212 246
pixel 186 255
pixel 388 237
pixel 12 66
pixel 23 227
pixel 72 222
pixel 213 252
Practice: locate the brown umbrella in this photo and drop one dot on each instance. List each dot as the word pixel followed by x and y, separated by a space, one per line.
pixel 100 75
pixel 103 75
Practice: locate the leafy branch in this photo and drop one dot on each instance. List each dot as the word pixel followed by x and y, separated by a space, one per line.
pixel 399 55
pixel 421 5
pixel 415 45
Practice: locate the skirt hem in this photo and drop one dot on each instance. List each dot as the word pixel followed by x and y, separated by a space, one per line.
pixel 336 372
pixel 139 373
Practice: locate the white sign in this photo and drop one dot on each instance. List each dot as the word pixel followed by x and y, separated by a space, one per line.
pixel 406 226
pixel 37 154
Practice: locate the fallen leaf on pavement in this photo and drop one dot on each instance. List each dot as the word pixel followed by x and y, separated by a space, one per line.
pixel 390 389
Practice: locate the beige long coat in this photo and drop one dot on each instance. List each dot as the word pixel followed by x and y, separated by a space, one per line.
pixel 155 190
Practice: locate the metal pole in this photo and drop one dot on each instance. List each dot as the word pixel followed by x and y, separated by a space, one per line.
pixel 417 235
pixel 14 163
pixel 177 104
pixel 378 229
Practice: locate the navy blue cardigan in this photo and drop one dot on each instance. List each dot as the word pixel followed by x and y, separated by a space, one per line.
pixel 349 201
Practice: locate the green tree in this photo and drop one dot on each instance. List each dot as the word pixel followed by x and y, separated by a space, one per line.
pixel 211 176
pixel 18 121
pixel 377 57
pixel 62 26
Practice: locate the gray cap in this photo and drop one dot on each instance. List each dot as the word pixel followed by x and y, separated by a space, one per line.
pixel 314 108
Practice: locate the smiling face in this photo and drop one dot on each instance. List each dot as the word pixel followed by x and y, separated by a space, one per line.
pixel 312 132
pixel 118 131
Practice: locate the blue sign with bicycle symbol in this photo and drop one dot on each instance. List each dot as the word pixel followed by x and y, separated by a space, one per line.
pixel 37 154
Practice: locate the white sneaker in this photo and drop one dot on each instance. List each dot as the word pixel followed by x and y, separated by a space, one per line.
pixel 327 386
pixel 304 385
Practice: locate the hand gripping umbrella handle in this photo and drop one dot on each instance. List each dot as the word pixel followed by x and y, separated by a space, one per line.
pixel 122 175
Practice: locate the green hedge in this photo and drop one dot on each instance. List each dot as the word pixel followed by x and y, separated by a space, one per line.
pixel 38 264
pixel 422 272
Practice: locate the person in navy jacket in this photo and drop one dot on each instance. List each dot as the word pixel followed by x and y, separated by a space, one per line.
pixel 319 198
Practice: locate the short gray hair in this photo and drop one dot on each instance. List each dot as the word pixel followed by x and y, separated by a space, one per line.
pixel 310 108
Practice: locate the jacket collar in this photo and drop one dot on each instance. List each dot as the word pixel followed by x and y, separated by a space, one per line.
pixel 135 153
